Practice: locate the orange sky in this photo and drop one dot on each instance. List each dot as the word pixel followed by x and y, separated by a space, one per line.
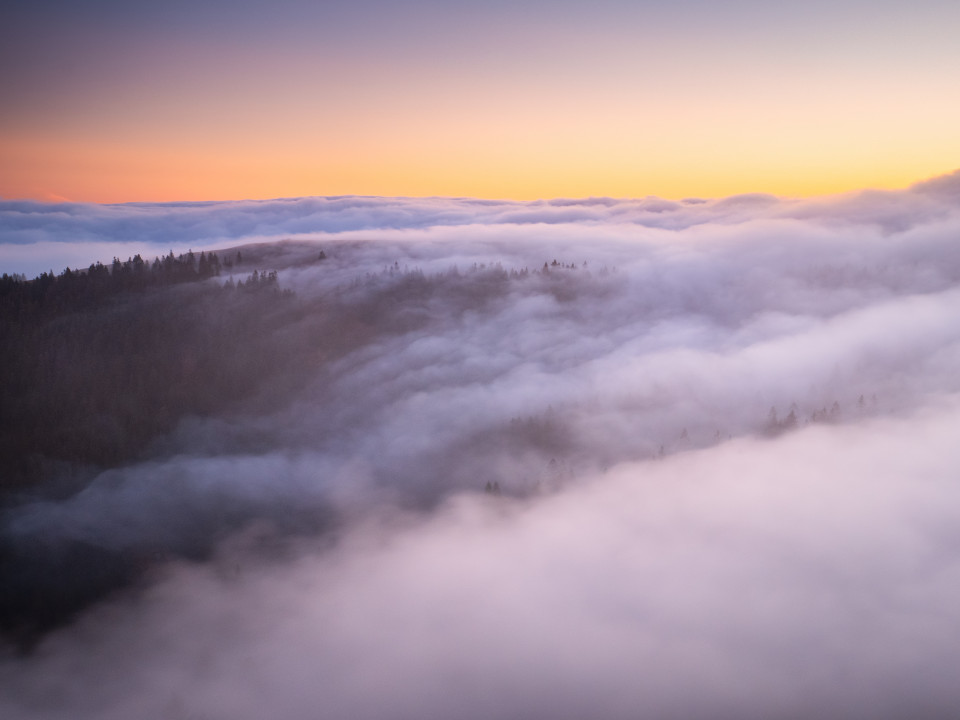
pixel 179 107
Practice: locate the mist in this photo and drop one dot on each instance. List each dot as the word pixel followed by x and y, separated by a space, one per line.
pixel 616 458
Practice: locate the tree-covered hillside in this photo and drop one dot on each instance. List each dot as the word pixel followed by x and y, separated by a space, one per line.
pixel 97 363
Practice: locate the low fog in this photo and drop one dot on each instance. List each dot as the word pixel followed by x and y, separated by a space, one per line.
pixel 567 459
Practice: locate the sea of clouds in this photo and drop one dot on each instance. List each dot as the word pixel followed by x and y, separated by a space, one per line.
pixel 724 435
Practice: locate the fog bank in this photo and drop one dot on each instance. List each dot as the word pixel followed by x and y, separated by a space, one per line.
pixel 814 574
pixel 609 458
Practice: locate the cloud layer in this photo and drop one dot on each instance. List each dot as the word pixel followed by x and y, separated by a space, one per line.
pixel 55 233
pixel 811 575
pixel 723 433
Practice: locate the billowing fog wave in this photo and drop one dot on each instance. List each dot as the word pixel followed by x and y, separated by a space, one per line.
pixel 703 467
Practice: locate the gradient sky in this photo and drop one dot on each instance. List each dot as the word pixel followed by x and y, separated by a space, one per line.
pixel 110 101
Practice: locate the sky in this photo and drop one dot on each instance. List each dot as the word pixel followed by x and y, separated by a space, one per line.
pixel 659 549
pixel 109 101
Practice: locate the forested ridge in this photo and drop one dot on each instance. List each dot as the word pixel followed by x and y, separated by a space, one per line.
pixel 111 373
pixel 98 366
pixel 98 362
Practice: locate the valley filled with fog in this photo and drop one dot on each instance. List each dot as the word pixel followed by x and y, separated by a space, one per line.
pixel 435 458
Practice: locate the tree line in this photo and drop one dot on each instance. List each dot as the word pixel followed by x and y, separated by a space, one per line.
pixel 96 363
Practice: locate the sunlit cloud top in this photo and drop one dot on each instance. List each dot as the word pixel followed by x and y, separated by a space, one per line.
pixel 112 102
